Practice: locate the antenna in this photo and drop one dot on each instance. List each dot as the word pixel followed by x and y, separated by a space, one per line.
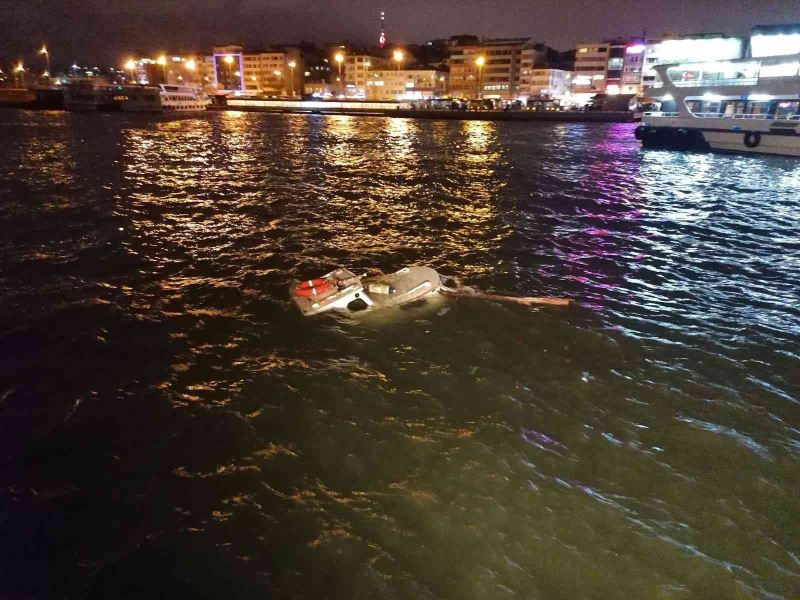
pixel 382 37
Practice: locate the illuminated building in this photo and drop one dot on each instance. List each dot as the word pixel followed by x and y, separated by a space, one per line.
pixel 358 69
pixel 406 84
pixel 615 64
pixel 633 66
pixel 591 63
pixel 545 83
pixel 499 77
pixel 599 69
pixel 262 72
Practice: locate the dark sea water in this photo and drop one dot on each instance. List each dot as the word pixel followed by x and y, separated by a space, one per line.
pixel 171 427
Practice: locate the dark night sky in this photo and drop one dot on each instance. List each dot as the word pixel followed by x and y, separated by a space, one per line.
pixel 107 30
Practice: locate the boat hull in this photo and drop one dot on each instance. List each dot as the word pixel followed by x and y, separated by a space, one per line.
pixel 723 137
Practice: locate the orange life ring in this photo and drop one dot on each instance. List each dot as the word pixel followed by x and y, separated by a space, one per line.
pixel 312 287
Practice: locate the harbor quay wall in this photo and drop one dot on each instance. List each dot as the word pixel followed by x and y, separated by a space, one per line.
pixel 454 115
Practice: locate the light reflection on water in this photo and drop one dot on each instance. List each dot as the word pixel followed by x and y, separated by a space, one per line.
pixel 642 444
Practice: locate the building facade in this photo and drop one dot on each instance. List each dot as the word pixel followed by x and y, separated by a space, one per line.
pixel 463 70
pixel 633 67
pixel 545 83
pixel 609 67
pixel 498 76
pixel 273 72
pixel 406 84
pixel 615 65
pixel 359 69
pixel 591 62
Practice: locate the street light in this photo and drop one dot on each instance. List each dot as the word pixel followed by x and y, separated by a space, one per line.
pixel 190 65
pixel 278 74
pixel 47 59
pixel 292 65
pixel 397 55
pixel 339 58
pixel 131 66
pixel 228 60
pixel 162 60
pixel 479 61
pixel 367 65
pixel 19 69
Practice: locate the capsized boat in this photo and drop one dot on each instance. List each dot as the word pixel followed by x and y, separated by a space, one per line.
pixel 344 290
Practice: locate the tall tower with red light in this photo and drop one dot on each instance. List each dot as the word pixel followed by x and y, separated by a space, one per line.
pixel 382 36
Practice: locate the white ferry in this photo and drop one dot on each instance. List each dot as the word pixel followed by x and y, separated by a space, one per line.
pixel 164 98
pixel 182 98
pixel 744 105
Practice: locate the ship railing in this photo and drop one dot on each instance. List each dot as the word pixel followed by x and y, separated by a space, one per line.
pixel 718 115
pixel 716 82
pixel 660 114
pixel 754 117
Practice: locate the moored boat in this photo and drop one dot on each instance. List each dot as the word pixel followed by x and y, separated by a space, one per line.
pixel 142 98
pixel 182 98
pixel 749 105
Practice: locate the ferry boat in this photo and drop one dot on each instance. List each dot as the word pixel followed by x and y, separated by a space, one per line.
pixel 79 95
pixel 182 98
pixel 87 94
pixel 141 98
pixel 164 98
pixel 747 105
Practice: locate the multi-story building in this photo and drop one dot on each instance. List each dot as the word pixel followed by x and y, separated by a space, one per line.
pixel 633 67
pixel 545 83
pixel 406 84
pixel 535 73
pixel 616 62
pixel 591 63
pixel 497 75
pixel 276 71
pixel 359 69
pixel 608 67
pixel 463 70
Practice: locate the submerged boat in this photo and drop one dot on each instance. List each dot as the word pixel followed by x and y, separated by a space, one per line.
pixel 343 290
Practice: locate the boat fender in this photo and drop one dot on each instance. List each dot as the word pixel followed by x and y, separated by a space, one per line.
pixel 752 139
pixel 312 287
pixel 380 288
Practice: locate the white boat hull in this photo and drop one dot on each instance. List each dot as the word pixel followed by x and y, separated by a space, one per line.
pixel 728 141
pixel 721 134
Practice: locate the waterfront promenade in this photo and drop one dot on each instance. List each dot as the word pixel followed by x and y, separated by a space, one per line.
pixel 453 115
